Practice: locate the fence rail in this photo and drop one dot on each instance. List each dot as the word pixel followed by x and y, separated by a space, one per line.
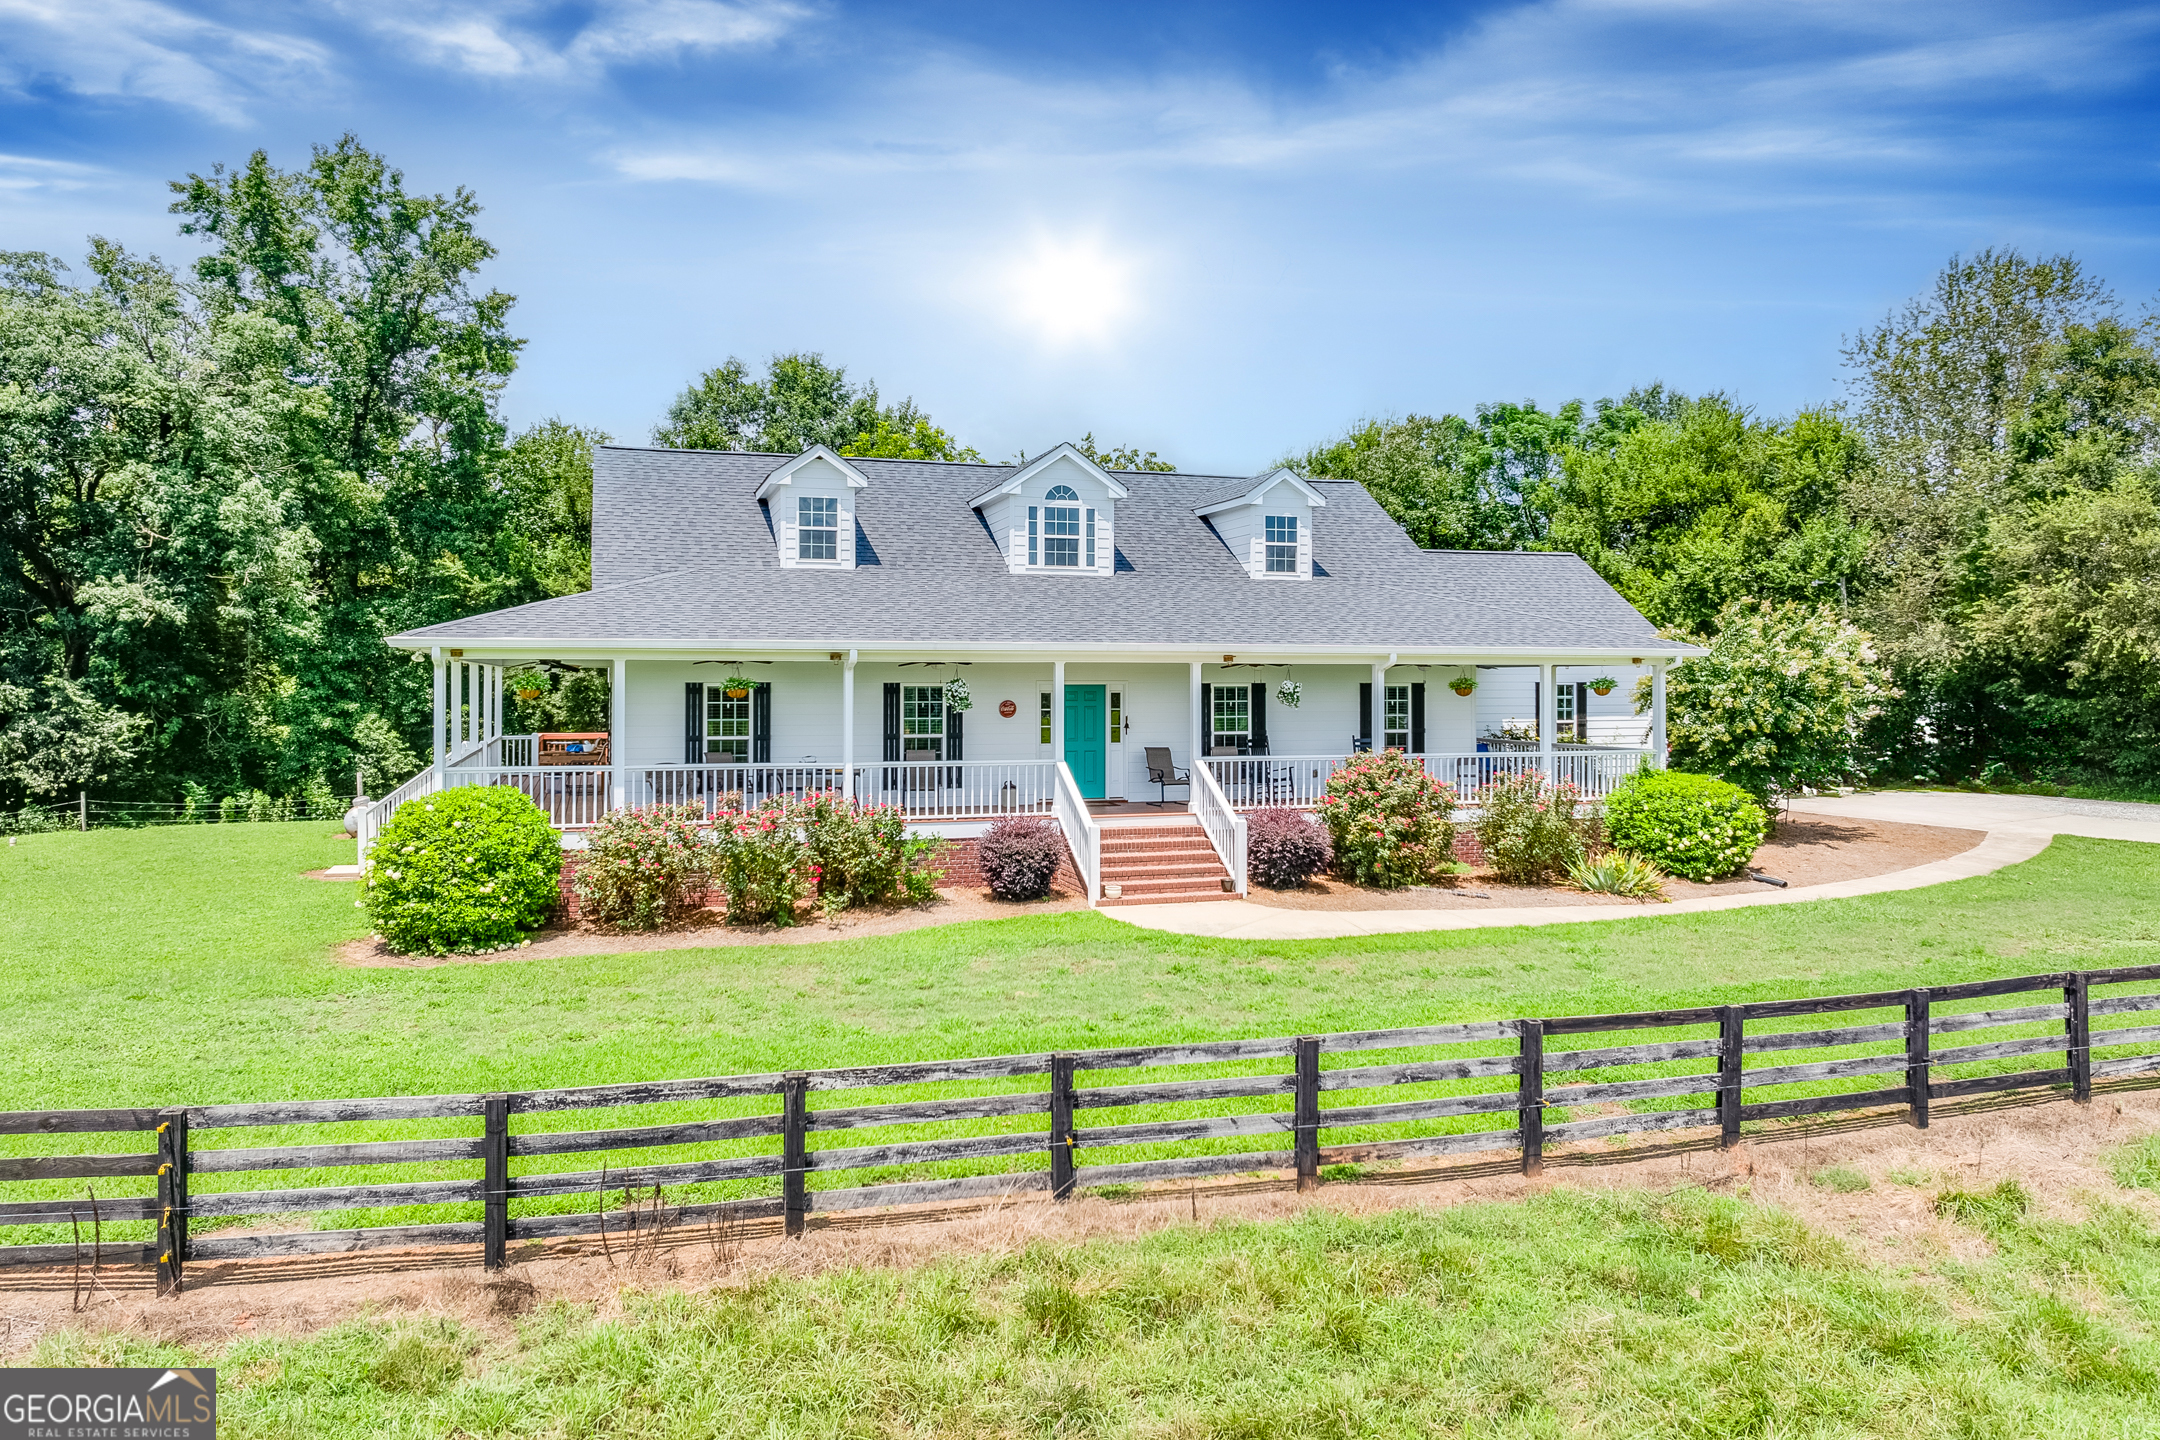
pixel 1298 781
pixel 1511 1085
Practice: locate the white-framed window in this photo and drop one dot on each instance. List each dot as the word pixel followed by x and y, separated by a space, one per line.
pixel 1046 717
pixel 1395 719
pixel 727 727
pixel 1282 544
pixel 922 722
pixel 1564 711
pixel 817 532
pixel 1117 716
pixel 1232 722
pixel 1034 535
pixel 1061 528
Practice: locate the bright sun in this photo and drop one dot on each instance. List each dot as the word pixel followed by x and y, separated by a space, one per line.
pixel 1070 291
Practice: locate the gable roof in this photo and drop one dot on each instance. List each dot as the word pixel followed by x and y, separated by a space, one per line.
pixel 856 480
pixel 1250 491
pixel 1019 475
pixel 683 553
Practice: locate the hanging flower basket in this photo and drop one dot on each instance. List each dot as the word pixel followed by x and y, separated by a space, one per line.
pixel 957 696
pixel 736 687
pixel 1463 684
pixel 1604 684
pixel 1290 693
pixel 530 695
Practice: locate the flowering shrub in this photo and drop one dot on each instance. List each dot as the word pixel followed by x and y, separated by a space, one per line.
pixel 1778 702
pixel 1020 857
pixel 463 871
pixel 1391 822
pixel 762 863
pixel 862 853
pixel 1691 825
pixel 1531 829
pixel 642 866
pixel 1283 848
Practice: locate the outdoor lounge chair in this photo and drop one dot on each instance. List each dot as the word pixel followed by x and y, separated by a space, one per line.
pixel 1164 774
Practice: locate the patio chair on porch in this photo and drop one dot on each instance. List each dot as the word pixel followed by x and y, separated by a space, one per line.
pixel 1164 774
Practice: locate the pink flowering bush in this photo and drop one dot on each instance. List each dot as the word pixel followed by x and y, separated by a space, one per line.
pixel 763 863
pixel 1533 829
pixel 861 852
pixel 642 867
pixel 1391 822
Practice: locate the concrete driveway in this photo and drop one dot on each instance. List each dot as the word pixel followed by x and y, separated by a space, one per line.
pixel 2019 827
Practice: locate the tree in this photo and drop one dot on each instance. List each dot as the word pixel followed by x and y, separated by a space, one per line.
pixel 801 401
pixel 547 474
pixel 1686 505
pixel 1779 701
pixel 1452 483
pixel 1123 457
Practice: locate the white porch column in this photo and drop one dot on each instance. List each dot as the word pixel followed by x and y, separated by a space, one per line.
pixel 438 714
pixel 1548 717
pixel 1379 706
pixel 1196 732
pixel 618 731
pixel 1657 711
pixel 847 726
pixel 1057 710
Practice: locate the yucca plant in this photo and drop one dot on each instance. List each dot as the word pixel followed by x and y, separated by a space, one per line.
pixel 1619 872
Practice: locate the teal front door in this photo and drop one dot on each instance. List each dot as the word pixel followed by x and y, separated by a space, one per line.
pixel 1086 749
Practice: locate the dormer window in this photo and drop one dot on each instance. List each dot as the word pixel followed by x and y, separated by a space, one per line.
pixel 1061 534
pixel 1055 515
pixel 818 535
pixel 1282 545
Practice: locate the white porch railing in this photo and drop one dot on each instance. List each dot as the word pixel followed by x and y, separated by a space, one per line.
pixel 572 796
pixel 961 791
pixel 514 751
pixel 1224 826
pixel 1082 834
pixel 1252 782
pixel 378 814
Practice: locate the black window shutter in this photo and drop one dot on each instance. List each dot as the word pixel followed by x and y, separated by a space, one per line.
pixel 953 727
pixel 694 723
pixel 892 720
pixel 1417 717
pixel 1259 717
pixel 761 723
pixel 1364 713
pixel 1207 718
pixel 1582 711
pixel 1537 707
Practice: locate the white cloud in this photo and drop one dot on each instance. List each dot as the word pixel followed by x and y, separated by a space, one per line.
pixel 139 49
pixel 506 38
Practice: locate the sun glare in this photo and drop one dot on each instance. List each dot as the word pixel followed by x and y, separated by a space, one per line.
pixel 1070 291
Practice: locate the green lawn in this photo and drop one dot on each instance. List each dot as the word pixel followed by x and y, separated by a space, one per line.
pixel 194 965
pixel 1595 1315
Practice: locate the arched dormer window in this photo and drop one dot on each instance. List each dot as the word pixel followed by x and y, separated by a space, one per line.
pixel 1066 541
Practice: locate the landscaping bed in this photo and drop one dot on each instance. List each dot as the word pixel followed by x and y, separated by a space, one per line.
pixel 1806 850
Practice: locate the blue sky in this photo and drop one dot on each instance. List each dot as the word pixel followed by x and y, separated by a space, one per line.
pixel 1222 232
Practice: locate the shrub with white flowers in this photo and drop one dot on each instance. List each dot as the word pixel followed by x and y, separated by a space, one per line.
pixel 1688 825
pixel 1779 702
pixel 463 871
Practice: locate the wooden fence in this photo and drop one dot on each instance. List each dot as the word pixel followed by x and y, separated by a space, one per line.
pixel 1518 1094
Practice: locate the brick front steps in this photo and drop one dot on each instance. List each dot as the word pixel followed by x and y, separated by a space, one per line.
pixel 1164 862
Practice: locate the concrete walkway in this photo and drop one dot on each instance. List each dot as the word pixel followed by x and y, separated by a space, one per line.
pixel 2019 827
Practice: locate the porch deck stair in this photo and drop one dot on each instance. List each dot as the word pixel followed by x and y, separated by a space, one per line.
pixel 1162 862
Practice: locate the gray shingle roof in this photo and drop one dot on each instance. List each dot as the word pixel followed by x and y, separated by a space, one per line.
pixel 682 551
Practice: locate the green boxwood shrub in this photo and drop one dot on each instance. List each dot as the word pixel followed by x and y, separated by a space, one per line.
pixel 463 871
pixel 1391 822
pixel 1692 825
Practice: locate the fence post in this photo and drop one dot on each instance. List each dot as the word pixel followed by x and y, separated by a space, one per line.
pixel 1305 1121
pixel 1530 1090
pixel 2078 1026
pixel 1916 1056
pixel 172 1194
pixel 82 813
pixel 1061 1127
pixel 495 1180
pixel 1731 1025
pixel 794 1153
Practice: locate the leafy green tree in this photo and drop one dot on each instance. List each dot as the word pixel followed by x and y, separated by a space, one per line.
pixel 1123 457
pixel 547 473
pixel 1686 505
pixel 799 402
pixel 1780 701
pixel 1455 483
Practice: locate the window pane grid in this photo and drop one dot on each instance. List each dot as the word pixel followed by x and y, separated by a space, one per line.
pixel 922 719
pixel 1282 544
pixel 727 728
pixel 1395 724
pixel 1061 535
pixel 818 528
pixel 1232 707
